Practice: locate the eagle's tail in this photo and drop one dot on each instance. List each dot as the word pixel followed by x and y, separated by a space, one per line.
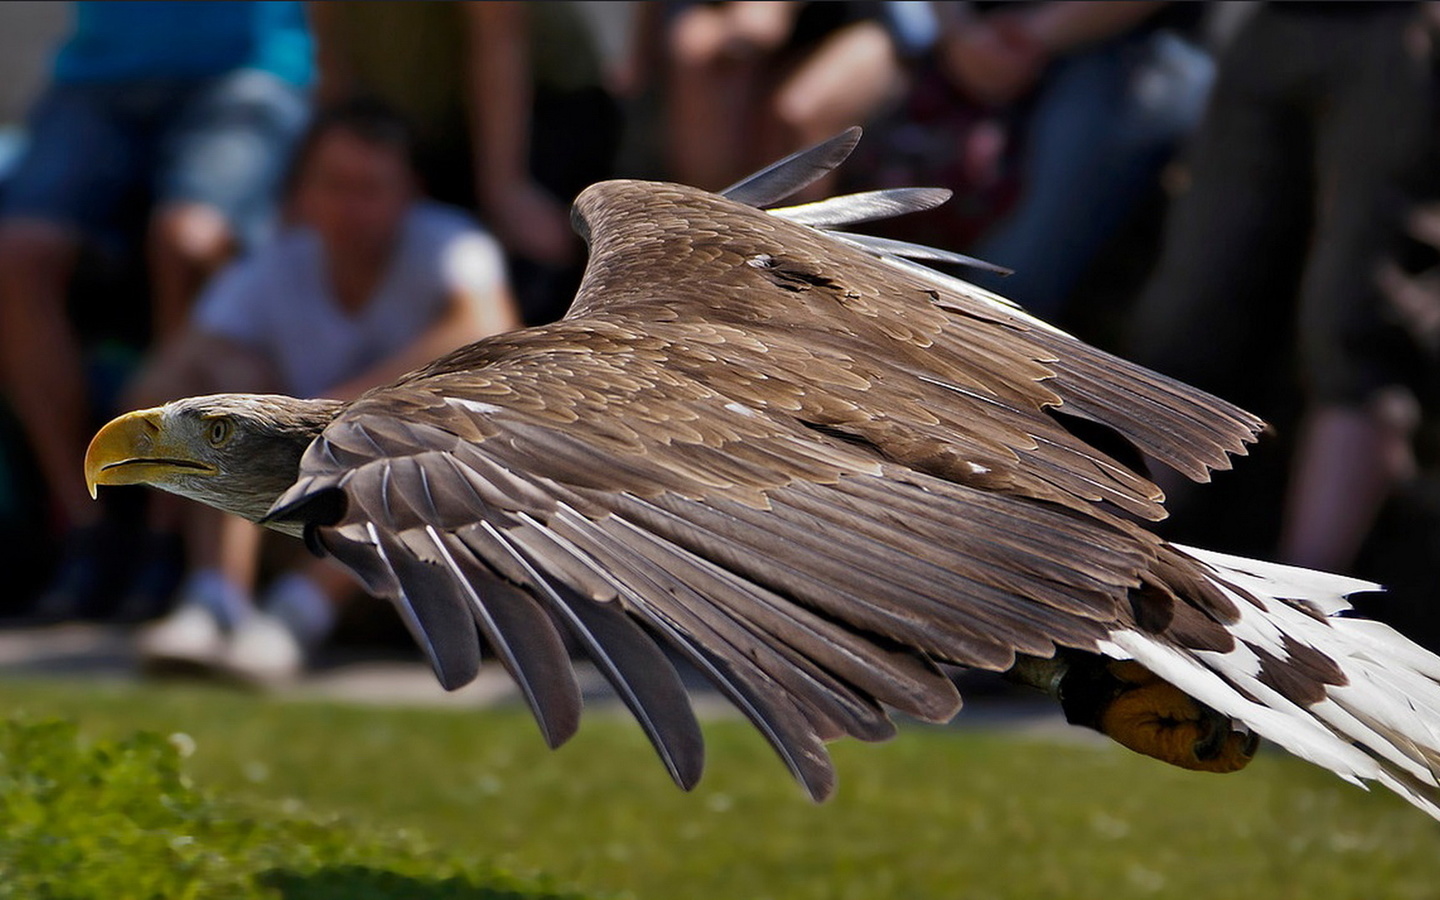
pixel 1344 692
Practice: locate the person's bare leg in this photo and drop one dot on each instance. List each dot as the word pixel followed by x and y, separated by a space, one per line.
pixel 710 95
pixel 308 598
pixel 190 364
pixel 216 596
pixel 222 556
pixel 40 358
pixel 196 363
pixel 849 78
pixel 237 550
pixel 1347 462
pixel 299 611
pixel 188 243
pixel 222 552
pixel 222 543
pixel 339 586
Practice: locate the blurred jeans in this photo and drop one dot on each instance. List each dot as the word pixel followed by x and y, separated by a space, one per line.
pixel 223 142
pixel 1102 125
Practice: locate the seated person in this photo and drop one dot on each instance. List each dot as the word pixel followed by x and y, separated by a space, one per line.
pixel 509 108
pixel 194 106
pixel 368 283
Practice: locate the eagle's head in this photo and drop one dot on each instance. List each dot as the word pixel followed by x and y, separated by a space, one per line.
pixel 236 452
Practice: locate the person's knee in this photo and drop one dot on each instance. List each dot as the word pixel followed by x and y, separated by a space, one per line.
pixel 846 80
pixel 32 251
pixel 199 363
pixel 158 382
pixel 698 40
pixel 1395 409
pixel 192 234
pixel 797 110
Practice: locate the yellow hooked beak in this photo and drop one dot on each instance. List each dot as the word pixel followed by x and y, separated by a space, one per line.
pixel 135 449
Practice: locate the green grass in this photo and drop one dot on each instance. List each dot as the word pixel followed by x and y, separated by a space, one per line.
pixel 470 804
pixel 119 819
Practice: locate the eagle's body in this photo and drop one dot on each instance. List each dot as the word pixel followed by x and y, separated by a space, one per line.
pixel 818 472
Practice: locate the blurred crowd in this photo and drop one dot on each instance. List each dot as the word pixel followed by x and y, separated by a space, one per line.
pixel 314 198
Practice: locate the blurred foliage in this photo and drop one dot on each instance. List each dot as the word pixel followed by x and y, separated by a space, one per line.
pixel 938 812
pixel 119 819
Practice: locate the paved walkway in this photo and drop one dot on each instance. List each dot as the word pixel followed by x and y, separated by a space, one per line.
pixel 105 652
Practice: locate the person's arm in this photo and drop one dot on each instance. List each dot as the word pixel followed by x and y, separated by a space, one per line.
pixel 478 304
pixel 999 57
pixel 456 327
pixel 1060 28
pixel 994 66
pixel 759 27
pixel 1414 296
pixel 526 218
pixel 334 77
pixel 199 362
pixel 222 344
pixel 640 66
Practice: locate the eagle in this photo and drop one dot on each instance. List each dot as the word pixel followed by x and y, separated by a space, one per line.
pixel 822 472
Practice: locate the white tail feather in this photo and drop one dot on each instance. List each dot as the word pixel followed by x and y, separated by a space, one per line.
pixel 1382 725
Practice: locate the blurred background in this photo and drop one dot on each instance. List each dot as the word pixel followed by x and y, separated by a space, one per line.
pixel 1237 194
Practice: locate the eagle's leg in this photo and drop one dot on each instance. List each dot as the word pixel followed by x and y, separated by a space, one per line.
pixel 1137 709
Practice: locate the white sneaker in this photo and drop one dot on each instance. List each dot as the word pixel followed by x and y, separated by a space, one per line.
pixel 264 652
pixel 188 638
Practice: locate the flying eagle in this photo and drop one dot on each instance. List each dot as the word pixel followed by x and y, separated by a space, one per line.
pixel 821 473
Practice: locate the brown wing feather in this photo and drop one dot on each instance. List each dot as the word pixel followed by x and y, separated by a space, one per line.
pixel 841 309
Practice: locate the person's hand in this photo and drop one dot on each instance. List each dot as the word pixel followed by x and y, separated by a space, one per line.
pixel 993 60
pixel 759 28
pixel 532 223
pixel 1415 298
pixel 735 31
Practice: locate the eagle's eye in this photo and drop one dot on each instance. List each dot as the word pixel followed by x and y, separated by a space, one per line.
pixel 218 431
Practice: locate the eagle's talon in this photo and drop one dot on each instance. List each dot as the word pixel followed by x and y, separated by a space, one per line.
pixel 1215 729
pixel 1153 717
pixel 1250 745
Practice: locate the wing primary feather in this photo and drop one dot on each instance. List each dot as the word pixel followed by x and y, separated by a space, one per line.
pixel 798 747
pixel 450 642
pixel 639 674
pixel 384 493
pixel 868 206
pixel 890 247
pixel 830 701
pixel 901 678
pixel 819 778
pixel 795 172
pixel 526 644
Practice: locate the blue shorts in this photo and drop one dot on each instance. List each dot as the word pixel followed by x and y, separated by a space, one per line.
pixel 222 142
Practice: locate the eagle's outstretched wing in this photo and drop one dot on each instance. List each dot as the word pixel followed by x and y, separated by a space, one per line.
pixel 813 469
